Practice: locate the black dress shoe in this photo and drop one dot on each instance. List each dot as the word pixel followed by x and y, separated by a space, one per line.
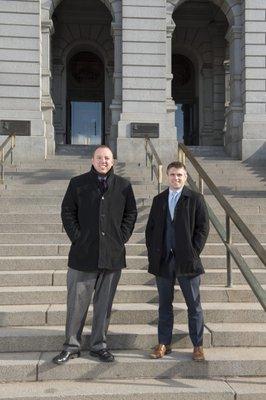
pixel 103 355
pixel 64 356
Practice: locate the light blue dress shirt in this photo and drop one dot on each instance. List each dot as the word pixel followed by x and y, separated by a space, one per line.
pixel 173 198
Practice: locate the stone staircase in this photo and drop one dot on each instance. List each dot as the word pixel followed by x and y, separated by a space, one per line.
pixel 33 258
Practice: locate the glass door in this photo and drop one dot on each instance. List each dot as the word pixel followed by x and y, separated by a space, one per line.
pixel 86 122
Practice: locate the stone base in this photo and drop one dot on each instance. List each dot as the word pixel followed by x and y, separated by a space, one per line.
pixel 133 150
pixel 233 149
pixel 50 146
pixel 29 148
pixel 254 142
pixel 254 150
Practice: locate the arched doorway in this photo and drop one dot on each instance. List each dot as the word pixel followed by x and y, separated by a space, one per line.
pixel 85 99
pixel 184 96
pixel 200 48
pixel 82 72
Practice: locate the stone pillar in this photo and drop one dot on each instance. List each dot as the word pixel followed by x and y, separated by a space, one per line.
pixel 47 105
pixel 206 133
pixel 254 90
pixel 144 83
pixel 170 104
pixel 116 105
pixel 109 95
pixel 234 113
pixel 58 96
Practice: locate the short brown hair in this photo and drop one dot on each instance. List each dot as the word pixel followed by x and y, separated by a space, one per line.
pixel 177 165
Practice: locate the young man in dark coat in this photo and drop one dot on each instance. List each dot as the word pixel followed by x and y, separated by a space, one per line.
pixel 98 214
pixel 176 233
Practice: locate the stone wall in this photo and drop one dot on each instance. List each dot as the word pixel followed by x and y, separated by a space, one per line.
pixel 20 72
pixel 254 80
pixel 144 69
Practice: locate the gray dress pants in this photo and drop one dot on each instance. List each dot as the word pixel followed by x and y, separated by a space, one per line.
pixel 80 288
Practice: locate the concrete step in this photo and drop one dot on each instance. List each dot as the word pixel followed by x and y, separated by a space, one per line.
pixel 44 245
pixel 23 228
pixel 133 389
pixel 132 336
pixel 61 183
pixel 39 223
pixel 138 389
pixel 224 183
pixel 220 362
pixel 137 313
pixel 45 202
pixel 127 337
pixel 53 216
pixel 51 191
pixel 125 294
pixel 41 262
pixel 52 277
pixel 237 200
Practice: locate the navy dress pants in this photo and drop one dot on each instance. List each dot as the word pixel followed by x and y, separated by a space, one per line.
pixel 190 286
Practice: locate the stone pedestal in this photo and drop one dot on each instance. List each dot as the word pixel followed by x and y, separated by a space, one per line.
pixel 254 141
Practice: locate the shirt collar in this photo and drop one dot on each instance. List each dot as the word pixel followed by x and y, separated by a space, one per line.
pixel 175 192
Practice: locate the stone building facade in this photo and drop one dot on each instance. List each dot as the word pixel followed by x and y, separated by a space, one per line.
pixel 83 71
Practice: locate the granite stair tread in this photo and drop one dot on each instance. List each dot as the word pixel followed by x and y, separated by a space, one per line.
pixel 141 389
pixel 220 362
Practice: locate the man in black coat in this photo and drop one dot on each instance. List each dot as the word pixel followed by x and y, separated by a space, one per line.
pixel 176 233
pixel 98 214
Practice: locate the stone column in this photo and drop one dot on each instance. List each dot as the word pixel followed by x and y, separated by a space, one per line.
pixel 116 105
pixel 109 95
pixel 206 132
pixel 144 84
pixel 254 90
pixel 234 113
pixel 59 114
pixel 170 104
pixel 47 105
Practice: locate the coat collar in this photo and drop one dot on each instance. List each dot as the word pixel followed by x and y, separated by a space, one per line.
pixel 96 174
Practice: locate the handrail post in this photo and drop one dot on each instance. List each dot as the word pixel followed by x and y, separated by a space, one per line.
pixel 201 186
pixel 2 159
pixel 183 158
pixel 228 255
pixel 146 149
pixel 160 178
pixel 152 167
pixel 178 153
pixel 12 147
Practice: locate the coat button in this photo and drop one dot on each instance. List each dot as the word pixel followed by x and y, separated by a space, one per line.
pixel 102 197
pixel 103 233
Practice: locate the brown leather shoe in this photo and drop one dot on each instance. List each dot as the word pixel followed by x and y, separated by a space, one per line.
pixel 161 350
pixel 198 354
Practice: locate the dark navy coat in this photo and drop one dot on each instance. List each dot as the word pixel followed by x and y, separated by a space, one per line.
pixel 191 228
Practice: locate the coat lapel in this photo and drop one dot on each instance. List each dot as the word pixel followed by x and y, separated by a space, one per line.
pixel 164 204
pixel 182 200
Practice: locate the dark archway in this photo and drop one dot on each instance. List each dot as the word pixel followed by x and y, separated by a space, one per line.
pixel 184 95
pixel 199 36
pixel 83 66
pixel 85 99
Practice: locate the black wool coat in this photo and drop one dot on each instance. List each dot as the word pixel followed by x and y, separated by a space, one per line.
pixel 191 227
pixel 98 225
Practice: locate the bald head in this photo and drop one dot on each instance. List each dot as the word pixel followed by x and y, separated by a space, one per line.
pixel 103 159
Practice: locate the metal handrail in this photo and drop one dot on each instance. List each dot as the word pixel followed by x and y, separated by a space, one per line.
pixel 11 139
pixel 225 234
pixel 150 156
